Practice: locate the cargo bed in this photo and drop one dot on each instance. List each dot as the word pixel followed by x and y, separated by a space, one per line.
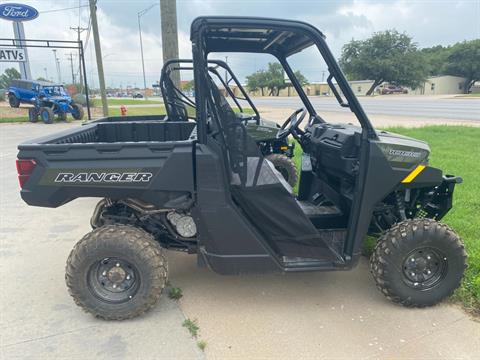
pixel 111 157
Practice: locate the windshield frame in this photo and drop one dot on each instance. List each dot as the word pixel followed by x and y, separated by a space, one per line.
pixel 204 27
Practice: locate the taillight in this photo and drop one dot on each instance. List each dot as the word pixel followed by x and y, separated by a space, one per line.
pixel 25 169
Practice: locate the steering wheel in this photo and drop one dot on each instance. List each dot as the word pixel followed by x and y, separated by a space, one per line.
pixel 290 126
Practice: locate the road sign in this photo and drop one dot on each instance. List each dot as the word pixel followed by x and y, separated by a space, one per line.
pixel 12 55
pixel 17 12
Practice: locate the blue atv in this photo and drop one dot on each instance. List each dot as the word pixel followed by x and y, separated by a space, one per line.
pixel 48 99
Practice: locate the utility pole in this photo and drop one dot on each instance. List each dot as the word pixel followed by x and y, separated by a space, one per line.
pixel 46 73
pixel 168 14
pixel 70 57
pixel 98 53
pixel 57 65
pixel 79 30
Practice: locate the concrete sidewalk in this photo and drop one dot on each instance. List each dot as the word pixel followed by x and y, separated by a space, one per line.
pixel 326 315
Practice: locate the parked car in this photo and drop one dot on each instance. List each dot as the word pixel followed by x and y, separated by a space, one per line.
pixel 137 95
pixel 48 99
pixel 393 89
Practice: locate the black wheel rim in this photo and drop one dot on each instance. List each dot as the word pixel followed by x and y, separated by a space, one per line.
pixel 424 268
pixel 45 116
pixel 113 280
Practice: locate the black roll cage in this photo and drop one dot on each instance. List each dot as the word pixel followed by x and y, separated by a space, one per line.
pixel 280 38
pixel 180 64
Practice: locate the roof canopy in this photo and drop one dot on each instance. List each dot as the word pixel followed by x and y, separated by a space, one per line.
pixel 259 35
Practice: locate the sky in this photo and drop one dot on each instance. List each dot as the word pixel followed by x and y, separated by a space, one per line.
pixel 440 22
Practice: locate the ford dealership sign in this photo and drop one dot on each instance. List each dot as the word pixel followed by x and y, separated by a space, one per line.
pixel 17 12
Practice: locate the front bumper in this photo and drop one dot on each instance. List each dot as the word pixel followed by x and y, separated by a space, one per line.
pixel 438 201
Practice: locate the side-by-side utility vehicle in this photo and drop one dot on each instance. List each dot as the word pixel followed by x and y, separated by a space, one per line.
pixel 204 187
pixel 48 99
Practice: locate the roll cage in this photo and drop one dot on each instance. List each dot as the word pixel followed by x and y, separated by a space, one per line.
pixel 280 38
pixel 175 97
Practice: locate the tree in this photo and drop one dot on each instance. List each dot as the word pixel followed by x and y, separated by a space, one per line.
pixel 301 78
pixel 273 79
pixel 386 56
pixel 9 75
pixel 464 60
pixel 257 81
pixel 188 86
pixel 435 59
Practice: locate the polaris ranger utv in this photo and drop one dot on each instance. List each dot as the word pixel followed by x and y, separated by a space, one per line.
pixel 279 151
pixel 205 188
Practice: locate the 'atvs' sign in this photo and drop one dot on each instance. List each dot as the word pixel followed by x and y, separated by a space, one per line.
pixel 12 55
pixel 17 12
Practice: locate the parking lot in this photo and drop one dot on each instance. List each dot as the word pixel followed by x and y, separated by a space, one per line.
pixel 314 315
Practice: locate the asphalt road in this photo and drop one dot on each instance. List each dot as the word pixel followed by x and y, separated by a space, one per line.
pixel 304 315
pixel 412 106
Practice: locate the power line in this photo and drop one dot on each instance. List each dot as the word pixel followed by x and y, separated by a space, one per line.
pixel 63 9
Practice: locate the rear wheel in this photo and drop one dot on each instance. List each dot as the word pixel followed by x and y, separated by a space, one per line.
pixel 116 272
pixel 418 262
pixel 285 166
pixel 13 101
pixel 46 114
pixel 77 111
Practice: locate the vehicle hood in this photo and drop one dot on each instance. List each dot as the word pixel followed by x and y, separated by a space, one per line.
pixel 400 149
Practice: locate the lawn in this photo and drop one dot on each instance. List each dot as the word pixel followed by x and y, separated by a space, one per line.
pixel 475 95
pixel 126 102
pixel 13 119
pixel 455 150
pixel 157 110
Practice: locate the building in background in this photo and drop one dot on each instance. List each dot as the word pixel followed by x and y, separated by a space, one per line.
pixel 440 85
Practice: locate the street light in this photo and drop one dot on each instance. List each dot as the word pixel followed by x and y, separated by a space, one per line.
pixel 57 64
pixel 139 15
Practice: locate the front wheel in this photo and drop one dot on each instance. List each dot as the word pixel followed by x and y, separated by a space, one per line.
pixel 77 111
pixel 284 166
pixel 13 101
pixel 116 272
pixel 46 114
pixel 418 262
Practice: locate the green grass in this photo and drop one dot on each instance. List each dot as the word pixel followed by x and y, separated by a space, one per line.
pixel 118 102
pixel 468 95
pixel 175 293
pixel 455 150
pixel 157 110
pixel 14 119
pixel 192 327
pixel 202 344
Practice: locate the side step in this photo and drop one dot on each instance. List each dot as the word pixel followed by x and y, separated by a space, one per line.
pixel 292 264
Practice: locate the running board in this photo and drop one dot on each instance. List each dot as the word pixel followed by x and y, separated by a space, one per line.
pixel 292 264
